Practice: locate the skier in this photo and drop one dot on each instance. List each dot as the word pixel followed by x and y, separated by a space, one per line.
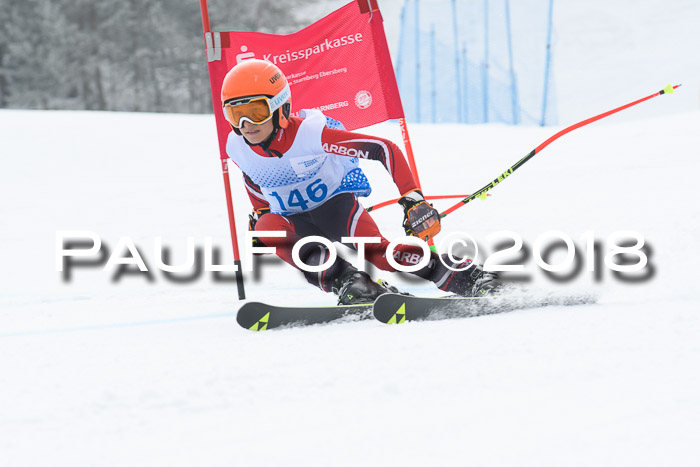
pixel 303 178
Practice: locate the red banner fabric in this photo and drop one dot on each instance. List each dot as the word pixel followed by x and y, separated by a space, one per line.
pixel 339 65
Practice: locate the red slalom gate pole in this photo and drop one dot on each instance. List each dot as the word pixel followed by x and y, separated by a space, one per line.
pixel 482 192
pixel 227 182
pixel 428 198
pixel 205 16
pixel 409 150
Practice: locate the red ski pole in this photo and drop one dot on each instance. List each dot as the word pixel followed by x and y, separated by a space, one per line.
pixel 482 192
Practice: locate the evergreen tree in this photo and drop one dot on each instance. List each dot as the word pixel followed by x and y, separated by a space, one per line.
pixel 124 55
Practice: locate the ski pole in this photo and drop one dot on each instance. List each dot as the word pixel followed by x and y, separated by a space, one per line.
pixel 482 192
pixel 393 201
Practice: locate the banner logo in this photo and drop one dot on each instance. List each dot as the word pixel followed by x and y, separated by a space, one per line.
pixel 363 99
pixel 244 55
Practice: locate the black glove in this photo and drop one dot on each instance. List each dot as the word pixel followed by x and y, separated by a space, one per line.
pixel 253 219
pixel 420 218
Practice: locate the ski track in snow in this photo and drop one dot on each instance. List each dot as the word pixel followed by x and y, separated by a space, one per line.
pixel 160 374
pixel 139 372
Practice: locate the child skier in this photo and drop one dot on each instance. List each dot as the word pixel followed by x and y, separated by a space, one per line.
pixel 303 178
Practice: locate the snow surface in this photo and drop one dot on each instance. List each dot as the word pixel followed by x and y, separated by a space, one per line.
pixel 138 372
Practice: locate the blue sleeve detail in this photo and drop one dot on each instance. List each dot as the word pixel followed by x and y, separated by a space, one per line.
pixel 356 182
pixel 334 124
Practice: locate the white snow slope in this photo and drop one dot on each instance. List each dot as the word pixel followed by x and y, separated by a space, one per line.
pixel 137 372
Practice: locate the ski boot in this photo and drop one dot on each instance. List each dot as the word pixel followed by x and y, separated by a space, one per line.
pixel 487 284
pixel 356 287
pixel 471 282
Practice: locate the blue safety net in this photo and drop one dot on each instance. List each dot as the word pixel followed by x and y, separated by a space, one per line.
pixel 476 61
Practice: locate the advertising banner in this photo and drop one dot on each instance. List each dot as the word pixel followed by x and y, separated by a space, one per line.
pixel 339 65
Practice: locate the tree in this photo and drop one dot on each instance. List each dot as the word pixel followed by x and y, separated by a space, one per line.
pixel 119 55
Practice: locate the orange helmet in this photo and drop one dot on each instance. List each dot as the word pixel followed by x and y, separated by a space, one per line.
pixel 258 78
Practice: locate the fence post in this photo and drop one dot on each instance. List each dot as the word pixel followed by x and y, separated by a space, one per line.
pixel 433 65
pixel 485 70
pixel 417 50
pixel 546 64
pixel 455 30
pixel 513 85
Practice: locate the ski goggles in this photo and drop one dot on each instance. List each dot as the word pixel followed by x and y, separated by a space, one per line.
pixel 254 109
